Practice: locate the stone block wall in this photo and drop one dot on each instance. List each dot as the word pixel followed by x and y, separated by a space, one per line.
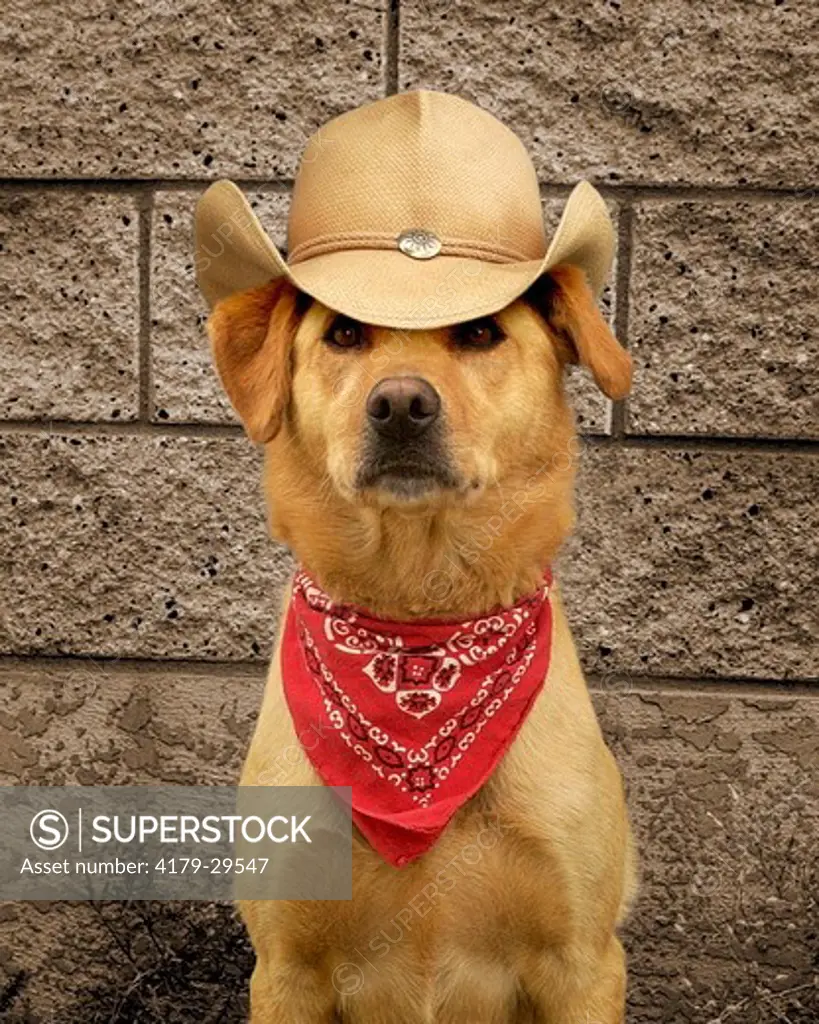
pixel 139 592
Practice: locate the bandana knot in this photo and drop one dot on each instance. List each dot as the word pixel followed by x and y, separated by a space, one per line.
pixel 414 715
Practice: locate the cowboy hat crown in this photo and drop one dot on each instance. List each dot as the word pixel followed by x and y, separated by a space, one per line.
pixel 417 211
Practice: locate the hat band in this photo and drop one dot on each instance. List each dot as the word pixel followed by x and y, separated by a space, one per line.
pixel 467 248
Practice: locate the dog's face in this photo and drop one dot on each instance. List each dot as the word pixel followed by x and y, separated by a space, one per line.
pixel 412 442
pixel 398 417
pixel 418 417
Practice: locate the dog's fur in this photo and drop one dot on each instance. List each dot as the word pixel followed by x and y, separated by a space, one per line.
pixel 522 928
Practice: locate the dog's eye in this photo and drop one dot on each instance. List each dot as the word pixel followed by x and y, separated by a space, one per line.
pixel 345 333
pixel 479 333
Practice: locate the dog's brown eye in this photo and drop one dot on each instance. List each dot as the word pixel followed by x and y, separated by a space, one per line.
pixel 479 334
pixel 345 333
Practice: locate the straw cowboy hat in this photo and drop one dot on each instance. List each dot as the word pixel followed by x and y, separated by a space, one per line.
pixel 418 211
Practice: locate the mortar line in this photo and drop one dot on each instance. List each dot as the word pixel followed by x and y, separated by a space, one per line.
pixel 707 443
pixel 10 663
pixel 647 191
pixel 619 683
pixel 619 409
pixel 391 47
pixel 130 185
pixel 742 193
pixel 633 191
pixel 727 686
pixel 133 428
pixel 681 442
pixel 146 208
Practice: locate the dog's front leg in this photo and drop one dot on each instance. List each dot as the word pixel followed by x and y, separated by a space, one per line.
pixel 560 996
pixel 289 994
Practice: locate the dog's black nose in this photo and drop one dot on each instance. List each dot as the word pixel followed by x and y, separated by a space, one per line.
pixel 400 408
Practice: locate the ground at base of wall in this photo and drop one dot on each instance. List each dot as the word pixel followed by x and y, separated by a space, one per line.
pixel 180 963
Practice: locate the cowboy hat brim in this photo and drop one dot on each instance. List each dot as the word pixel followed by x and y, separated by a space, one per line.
pixel 383 286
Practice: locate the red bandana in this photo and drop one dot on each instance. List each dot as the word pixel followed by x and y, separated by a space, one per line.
pixel 414 716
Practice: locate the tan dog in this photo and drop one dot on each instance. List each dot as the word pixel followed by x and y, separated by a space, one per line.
pixel 512 916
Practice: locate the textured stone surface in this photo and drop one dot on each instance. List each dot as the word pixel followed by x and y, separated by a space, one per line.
pixel 722 792
pixel 689 563
pixel 163 89
pixel 592 409
pixel 69 306
pixel 136 546
pixel 652 90
pixel 724 798
pixel 685 563
pixel 724 322
pixel 92 722
pixel 185 385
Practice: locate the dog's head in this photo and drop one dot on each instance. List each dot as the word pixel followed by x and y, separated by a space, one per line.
pixel 361 419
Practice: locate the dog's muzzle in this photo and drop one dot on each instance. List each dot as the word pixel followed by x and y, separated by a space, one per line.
pixel 404 451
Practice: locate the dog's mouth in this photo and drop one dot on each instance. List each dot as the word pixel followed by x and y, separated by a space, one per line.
pixel 407 476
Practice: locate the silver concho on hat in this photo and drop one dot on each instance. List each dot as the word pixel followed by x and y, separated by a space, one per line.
pixel 419 244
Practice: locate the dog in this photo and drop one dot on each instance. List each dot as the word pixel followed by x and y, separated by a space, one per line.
pixel 419 474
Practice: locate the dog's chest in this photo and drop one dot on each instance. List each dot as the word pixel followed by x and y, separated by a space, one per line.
pixel 457 926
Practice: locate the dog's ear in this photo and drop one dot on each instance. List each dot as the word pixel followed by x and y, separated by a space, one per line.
pixel 564 300
pixel 251 336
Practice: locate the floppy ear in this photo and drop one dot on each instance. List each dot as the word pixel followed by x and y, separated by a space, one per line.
pixel 251 336
pixel 564 299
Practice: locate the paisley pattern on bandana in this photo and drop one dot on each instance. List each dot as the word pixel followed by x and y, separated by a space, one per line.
pixel 413 715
